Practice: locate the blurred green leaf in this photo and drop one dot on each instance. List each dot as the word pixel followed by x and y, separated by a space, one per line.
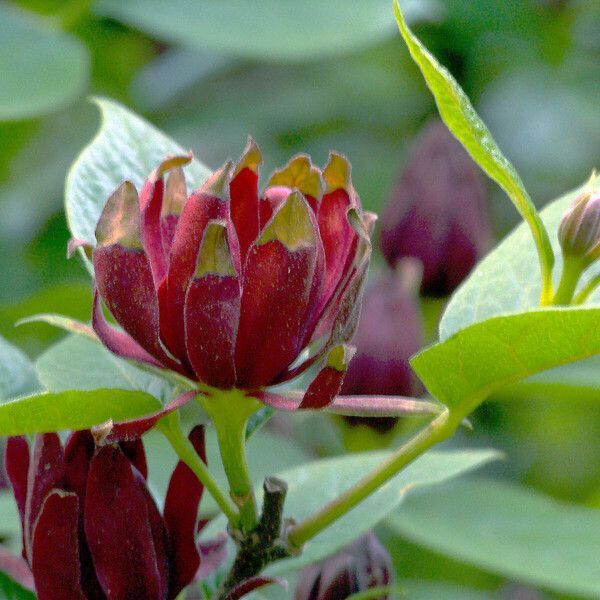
pixel 485 357
pixel 42 68
pixel 459 115
pixel 11 590
pixel 126 147
pixel 273 30
pixel 507 279
pixel 17 375
pixel 10 523
pixel 74 409
pixel 78 363
pixel 508 530
pixel 312 485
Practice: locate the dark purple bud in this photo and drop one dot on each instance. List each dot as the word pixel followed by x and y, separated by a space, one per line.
pixel 579 230
pixel 390 331
pixel 358 567
pixel 437 212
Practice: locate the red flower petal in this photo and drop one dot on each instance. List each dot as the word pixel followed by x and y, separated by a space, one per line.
pixel 244 197
pixel 118 529
pixel 174 201
pixel 46 471
pixel 17 467
pixel 253 584
pixel 208 202
pixel 181 517
pixel 151 205
pixel 270 201
pixel 134 451
pixel 277 282
pixel 55 549
pixel 212 309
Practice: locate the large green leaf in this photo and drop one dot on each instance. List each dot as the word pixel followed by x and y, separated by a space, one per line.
pixel 79 363
pixel 508 530
pixel 485 357
pixel 73 409
pixel 266 29
pixel 42 68
pixel 459 115
pixel 17 375
pixel 11 590
pixel 312 485
pixel 507 280
pixel 126 147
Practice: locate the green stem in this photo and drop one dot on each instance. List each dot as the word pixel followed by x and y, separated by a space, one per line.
pixel 442 427
pixel 569 278
pixel 171 429
pixel 229 411
pixel 587 290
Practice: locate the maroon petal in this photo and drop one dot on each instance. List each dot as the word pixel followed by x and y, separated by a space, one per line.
pixel 337 233
pixel 134 451
pixel 17 468
pixel 253 584
pixel 16 568
pixel 326 385
pixel 208 202
pixel 181 517
pixel 151 205
pixel 123 273
pixel 244 197
pixel 116 341
pixel 135 428
pixel 212 309
pixel 278 279
pixel 46 471
pixel 55 549
pixel 173 203
pixel 302 175
pixel 118 529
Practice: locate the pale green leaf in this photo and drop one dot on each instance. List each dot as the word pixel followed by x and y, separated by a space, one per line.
pixel 507 280
pixel 461 118
pixel 126 147
pixel 17 375
pixel 272 30
pixel 43 68
pixel 510 531
pixel 74 409
pixel 489 355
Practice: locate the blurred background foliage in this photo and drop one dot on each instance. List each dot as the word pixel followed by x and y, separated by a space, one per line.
pixel 304 76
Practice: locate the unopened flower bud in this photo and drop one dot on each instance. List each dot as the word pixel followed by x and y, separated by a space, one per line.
pixel 437 212
pixel 360 566
pixel 579 229
pixel 389 332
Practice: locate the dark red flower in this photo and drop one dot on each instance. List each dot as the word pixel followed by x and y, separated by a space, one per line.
pixel 91 529
pixel 227 286
pixel 437 212
pixel 363 565
pixel 390 331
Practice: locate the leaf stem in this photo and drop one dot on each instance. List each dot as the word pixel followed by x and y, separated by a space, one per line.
pixel 440 428
pixel 586 291
pixel 171 429
pixel 229 411
pixel 569 279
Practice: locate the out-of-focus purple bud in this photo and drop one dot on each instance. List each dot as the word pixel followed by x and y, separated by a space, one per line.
pixel 390 331
pixel 362 565
pixel 579 229
pixel 437 212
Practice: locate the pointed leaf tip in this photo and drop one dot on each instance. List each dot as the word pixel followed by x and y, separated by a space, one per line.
pixel 120 219
pixel 217 184
pixel 251 157
pixel 171 162
pixel 214 255
pixel 291 224
pixel 337 173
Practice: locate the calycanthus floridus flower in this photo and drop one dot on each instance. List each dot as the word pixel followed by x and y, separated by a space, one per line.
pixel 233 288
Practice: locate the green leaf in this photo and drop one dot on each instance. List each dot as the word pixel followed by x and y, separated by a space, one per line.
pixel 73 409
pixel 507 279
pixel 126 147
pixel 10 523
pixel 79 363
pixel 485 357
pixel 11 590
pixel 508 530
pixel 42 68
pixel 17 375
pixel 272 30
pixel 459 115
pixel 312 485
